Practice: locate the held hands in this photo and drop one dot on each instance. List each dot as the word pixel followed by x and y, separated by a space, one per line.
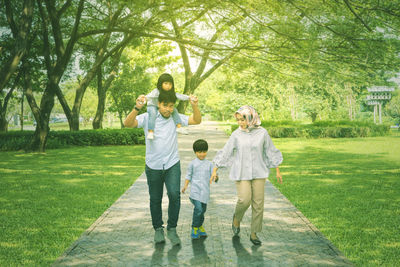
pixel 214 176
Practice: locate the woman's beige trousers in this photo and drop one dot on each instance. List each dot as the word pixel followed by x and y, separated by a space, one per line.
pixel 251 193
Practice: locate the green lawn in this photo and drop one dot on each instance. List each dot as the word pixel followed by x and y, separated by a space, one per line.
pixel 48 200
pixel 350 190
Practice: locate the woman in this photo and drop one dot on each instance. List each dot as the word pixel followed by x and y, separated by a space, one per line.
pixel 250 153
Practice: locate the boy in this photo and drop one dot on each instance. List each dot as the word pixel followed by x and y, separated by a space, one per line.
pixel 198 174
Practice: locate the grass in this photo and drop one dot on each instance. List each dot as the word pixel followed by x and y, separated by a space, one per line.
pixel 350 190
pixel 48 200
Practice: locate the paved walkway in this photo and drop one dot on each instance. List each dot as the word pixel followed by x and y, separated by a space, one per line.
pixel 123 235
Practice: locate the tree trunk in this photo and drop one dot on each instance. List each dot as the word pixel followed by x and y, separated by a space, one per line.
pixel 42 115
pixel 39 139
pixel 103 88
pixel 98 119
pixel 101 102
pixel 3 122
pixel 120 119
pixel 21 118
pixel 4 105
pixel 314 116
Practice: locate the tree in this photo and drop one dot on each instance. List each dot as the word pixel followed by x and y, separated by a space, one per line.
pixel 102 88
pixel 57 55
pixel 14 46
pixel 393 107
pixel 290 38
pixel 134 78
pixel 62 28
pixel 102 52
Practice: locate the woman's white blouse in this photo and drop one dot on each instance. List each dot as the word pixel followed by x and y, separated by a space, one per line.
pixel 250 154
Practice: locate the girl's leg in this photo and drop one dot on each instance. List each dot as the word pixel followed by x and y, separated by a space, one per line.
pixel 152 111
pixel 244 199
pixel 257 205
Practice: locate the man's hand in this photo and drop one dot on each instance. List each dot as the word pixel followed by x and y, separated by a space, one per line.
pixel 184 189
pixel 193 100
pixel 140 101
pixel 195 118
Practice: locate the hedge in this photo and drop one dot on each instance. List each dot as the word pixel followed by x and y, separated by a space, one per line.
pixel 17 140
pixel 325 129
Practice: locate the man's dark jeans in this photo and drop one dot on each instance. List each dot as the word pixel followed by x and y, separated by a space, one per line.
pixel 172 179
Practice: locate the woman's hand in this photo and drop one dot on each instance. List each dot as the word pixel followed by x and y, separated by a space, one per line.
pixel 278 176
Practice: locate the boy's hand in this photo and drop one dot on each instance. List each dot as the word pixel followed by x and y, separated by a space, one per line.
pixel 184 189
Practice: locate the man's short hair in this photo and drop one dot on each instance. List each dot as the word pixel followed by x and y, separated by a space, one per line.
pixel 200 145
pixel 167 97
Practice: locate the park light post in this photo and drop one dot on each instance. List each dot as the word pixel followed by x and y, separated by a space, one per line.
pixel 379 94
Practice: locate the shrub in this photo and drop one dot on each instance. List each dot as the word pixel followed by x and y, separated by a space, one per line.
pixel 324 129
pixel 17 140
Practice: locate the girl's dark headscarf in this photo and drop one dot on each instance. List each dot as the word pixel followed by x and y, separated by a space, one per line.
pixel 165 77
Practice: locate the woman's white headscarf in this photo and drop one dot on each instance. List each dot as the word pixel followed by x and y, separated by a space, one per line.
pixel 250 115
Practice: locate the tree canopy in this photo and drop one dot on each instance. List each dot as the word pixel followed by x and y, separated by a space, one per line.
pixel 286 57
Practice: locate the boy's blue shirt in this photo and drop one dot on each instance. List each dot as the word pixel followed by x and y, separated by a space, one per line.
pixel 199 173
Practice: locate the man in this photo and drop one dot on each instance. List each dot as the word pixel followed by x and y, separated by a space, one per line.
pixel 162 160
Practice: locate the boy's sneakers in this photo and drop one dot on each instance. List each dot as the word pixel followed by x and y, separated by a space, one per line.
pixel 195 233
pixel 159 235
pixel 202 231
pixel 150 135
pixel 182 130
pixel 173 236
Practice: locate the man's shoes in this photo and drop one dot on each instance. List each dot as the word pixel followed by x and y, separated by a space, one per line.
pixel 195 233
pixel 173 236
pixel 150 135
pixel 159 235
pixel 255 241
pixel 182 130
pixel 202 231
pixel 235 230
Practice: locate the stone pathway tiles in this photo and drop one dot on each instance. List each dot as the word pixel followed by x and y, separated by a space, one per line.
pixel 123 235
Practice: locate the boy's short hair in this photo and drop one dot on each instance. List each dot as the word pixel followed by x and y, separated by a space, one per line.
pixel 200 145
pixel 167 97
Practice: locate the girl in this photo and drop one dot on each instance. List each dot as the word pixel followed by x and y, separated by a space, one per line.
pixel 165 84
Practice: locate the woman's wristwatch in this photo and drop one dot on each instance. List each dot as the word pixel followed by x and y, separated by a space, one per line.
pixel 137 109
